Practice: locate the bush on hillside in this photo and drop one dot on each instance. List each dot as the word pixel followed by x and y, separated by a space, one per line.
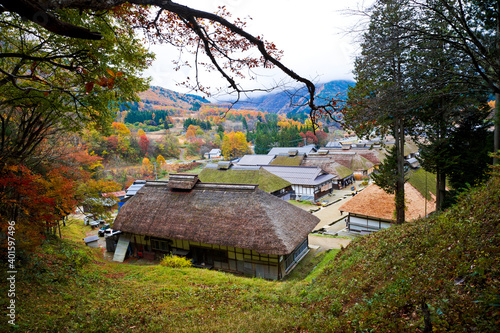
pixel 174 261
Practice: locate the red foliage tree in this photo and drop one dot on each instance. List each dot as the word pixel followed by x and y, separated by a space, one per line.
pixel 144 144
pixel 310 137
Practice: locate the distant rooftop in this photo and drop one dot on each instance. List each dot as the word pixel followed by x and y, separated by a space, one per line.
pixel 298 175
pixel 256 160
pixel 292 151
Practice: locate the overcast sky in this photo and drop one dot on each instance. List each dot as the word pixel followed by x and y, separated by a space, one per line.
pixel 311 33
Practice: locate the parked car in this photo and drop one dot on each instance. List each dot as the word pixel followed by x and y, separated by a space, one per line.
pixel 110 232
pixel 92 220
pixel 102 230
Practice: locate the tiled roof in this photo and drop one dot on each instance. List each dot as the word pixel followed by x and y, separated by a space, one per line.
pixel 298 175
pixel 256 160
pixel 285 150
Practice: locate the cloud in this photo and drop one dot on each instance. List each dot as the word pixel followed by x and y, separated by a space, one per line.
pixel 312 35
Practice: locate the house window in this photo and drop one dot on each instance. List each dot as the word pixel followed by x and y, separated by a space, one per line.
pixel 296 255
pixel 160 244
pixel 220 256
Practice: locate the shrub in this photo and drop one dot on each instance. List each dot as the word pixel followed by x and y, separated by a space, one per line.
pixel 175 261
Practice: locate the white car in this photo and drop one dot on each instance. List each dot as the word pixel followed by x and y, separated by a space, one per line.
pixel 110 232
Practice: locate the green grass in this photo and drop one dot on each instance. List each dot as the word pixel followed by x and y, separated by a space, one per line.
pixel 424 182
pixel 448 263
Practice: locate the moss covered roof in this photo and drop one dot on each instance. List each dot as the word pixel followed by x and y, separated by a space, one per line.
pixel 288 161
pixel 266 180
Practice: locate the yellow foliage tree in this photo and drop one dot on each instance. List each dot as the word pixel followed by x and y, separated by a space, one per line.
pixel 121 129
pixel 161 160
pixel 140 132
pixel 235 145
pixel 147 167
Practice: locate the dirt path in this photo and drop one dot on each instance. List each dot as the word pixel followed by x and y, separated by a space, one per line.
pixel 181 155
pixel 326 243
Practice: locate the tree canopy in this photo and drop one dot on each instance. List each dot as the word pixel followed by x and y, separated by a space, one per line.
pixel 226 44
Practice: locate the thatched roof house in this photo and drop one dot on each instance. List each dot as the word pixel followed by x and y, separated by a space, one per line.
pixel 343 174
pixel 373 209
pixel 360 166
pixel 231 227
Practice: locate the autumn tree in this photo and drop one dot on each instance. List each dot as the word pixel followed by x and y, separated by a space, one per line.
pixel 161 160
pixel 226 45
pixel 51 87
pixel 234 145
pixel 147 166
pixel 91 196
pixel 144 144
pixel 121 129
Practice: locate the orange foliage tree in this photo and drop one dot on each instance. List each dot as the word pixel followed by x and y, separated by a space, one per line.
pixel 234 145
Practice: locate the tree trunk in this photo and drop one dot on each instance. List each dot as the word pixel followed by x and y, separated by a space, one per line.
pixel 496 135
pixel 400 184
pixel 427 318
pixel 440 189
pixel 496 116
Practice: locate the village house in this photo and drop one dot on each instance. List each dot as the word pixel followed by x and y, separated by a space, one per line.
pixel 308 183
pixel 214 154
pixel 373 209
pixel 231 227
pixel 360 166
pixel 344 176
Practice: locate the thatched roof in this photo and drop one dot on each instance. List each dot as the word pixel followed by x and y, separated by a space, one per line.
pixel 222 214
pixel 410 148
pixel 266 180
pixel 375 155
pixel 374 202
pixel 288 160
pixel 351 160
pixel 358 162
pixel 329 165
pixel 182 181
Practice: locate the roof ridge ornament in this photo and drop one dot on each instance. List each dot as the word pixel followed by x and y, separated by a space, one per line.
pixel 182 181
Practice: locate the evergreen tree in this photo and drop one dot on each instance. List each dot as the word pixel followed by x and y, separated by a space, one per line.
pixel 382 95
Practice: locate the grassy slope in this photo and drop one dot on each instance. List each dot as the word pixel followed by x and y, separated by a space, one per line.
pixel 423 181
pixel 448 263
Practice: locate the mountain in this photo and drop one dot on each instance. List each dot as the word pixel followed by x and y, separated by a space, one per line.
pixel 161 98
pixel 281 102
